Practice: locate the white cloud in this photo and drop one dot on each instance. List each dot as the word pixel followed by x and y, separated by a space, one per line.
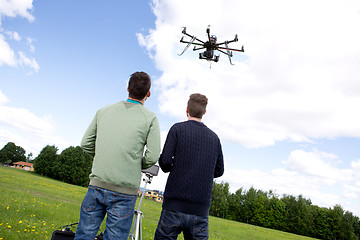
pixel 7 55
pixel 15 8
pixel 318 164
pixel 30 44
pixel 26 129
pixel 32 63
pixel 13 36
pixel 297 79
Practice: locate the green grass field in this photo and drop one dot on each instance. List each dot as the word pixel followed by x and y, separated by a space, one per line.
pixel 32 207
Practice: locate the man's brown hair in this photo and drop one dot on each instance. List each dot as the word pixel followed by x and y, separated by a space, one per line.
pixel 139 85
pixel 197 105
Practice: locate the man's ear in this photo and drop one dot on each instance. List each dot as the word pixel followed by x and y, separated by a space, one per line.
pixel 148 94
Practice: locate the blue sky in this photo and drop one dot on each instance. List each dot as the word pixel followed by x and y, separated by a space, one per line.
pixel 287 112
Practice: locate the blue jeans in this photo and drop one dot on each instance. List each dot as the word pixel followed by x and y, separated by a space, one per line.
pixel 171 224
pixel 97 202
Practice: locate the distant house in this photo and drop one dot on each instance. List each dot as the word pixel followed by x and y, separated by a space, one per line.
pixel 24 165
pixel 155 195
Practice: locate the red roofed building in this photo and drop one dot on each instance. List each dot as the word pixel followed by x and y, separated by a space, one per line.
pixel 24 165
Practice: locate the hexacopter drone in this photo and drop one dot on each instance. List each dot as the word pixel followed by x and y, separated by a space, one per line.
pixel 210 46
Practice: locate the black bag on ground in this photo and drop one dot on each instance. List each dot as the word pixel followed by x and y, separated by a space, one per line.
pixel 66 234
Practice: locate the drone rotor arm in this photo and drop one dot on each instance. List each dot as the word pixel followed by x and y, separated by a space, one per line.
pixel 226 53
pixel 218 44
pixel 191 36
pixel 232 49
pixel 193 43
pixel 208 33
pixel 199 48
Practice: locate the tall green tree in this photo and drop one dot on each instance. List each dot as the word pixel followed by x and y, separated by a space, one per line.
pixel 276 212
pixel 11 153
pixel 235 201
pixel 29 157
pixel 296 214
pixel 348 225
pixel 261 210
pixel 74 166
pixel 249 205
pixel 219 200
pixel 45 163
pixel 322 223
pixel 357 227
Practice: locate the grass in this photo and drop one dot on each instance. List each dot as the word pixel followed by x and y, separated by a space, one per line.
pixel 32 207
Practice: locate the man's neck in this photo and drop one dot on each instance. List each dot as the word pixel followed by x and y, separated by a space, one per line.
pixel 194 118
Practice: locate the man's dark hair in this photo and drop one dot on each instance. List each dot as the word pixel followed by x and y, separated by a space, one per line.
pixel 197 105
pixel 139 85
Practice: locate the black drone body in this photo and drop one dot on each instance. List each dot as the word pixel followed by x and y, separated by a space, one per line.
pixel 210 46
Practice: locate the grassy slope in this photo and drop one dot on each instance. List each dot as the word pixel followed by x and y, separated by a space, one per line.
pixel 32 207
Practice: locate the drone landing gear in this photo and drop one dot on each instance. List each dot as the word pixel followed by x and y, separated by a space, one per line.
pixel 193 38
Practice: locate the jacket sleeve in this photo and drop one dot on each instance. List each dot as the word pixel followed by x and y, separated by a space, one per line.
pixel 166 160
pixel 89 138
pixel 219 168
pixel 152 151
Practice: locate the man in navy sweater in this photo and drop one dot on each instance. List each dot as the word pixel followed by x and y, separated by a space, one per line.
pixel 192 154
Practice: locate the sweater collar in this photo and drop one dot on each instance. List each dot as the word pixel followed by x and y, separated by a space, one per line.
pixel 196 122
pixel 133 101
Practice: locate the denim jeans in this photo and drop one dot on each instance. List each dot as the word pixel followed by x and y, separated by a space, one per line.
pixel 171 224
pixel 98 202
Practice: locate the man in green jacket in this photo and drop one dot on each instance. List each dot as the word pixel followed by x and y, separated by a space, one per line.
pixel 116 138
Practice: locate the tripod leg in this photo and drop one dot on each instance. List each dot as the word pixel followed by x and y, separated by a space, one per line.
pixel 137 227
pixel 134 227
pixel 140 228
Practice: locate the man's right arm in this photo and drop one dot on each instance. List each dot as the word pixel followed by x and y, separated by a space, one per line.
pixel 219 168
pixel 166 160
pixel 89 138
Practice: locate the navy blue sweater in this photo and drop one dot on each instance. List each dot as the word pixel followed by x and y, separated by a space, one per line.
pixel 192 154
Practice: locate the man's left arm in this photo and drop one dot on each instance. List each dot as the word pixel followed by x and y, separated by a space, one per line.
pixel 219 168
pixel 152 151
pixel 89 138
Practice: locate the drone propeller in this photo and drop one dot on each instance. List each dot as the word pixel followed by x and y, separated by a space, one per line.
pixel 184 30
pixel 236 38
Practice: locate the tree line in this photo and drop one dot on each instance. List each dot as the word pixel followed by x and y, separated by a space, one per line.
pixel 287 213
pixel 72 165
